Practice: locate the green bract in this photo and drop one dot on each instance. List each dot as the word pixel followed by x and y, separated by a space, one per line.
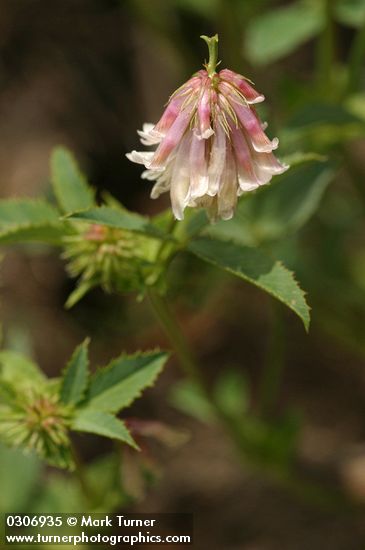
pixel 38 414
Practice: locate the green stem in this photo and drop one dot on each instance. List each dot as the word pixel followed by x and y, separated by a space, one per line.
pixel 173 331
pixel 273 370
pixel 80 474
pixel 212 42
pixel 307 491
pixel 356 60
pixel 326 50
pixel 164 255
pixel 166 244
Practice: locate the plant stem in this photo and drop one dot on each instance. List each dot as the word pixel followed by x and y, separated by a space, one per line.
pixel 356 60
pixel 212 42
pixel 307 491
pixel 326 50
pixel 272 374
pixel 80 474
pixel 173 331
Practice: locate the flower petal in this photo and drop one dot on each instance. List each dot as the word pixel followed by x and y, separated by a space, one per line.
pixel 172 138
pixel 149 136
pixel 246 175
pixel 204 112
pixel 227 195
pixel 199 168
pixel 180 179
pixel 140 157
pixel 217 159
pixel 269 163
pixel 250 94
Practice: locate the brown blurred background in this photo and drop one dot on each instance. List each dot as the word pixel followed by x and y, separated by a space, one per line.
pixel 87 74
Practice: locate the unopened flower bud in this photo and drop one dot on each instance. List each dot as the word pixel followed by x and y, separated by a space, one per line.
pixel 38 422
pixel 114 259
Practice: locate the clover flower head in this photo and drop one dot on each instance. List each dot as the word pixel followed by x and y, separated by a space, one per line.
pixel 211 144
pixel 97 255
pixel 36 421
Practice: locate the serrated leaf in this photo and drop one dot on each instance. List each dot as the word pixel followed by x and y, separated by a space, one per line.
pixel 49 234
pixel 120 219
pixel 75 378
pixel 29 220
pixel 19 371
pixel 18 212
pixel 277 33
pixel 70 185
pixel 117 385
pixel 256 268
pixel 102 423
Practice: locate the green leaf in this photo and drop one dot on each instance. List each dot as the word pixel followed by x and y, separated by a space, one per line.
pixel 104 479
pixel 315 114
pixel 75 378
pixel 202 8
pixel 277 33
pixel 42 234
pixel 19 478
pixel 350 12
pixel 188 398
pixel 82 288
pixel 102 423
pixel 19 371
pixel 256 268
pixel 118 218
pixel 59 494
pixel 231 393
pixel 29 220
pixel 278 210
pixel 118 384
pixel 355 105
pixel 70 186
pixel 299 157
pixel 25 212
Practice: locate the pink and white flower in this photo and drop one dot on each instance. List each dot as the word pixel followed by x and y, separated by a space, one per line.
pixel 211 144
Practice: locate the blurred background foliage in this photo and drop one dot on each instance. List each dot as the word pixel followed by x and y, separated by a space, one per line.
pixel 86 74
